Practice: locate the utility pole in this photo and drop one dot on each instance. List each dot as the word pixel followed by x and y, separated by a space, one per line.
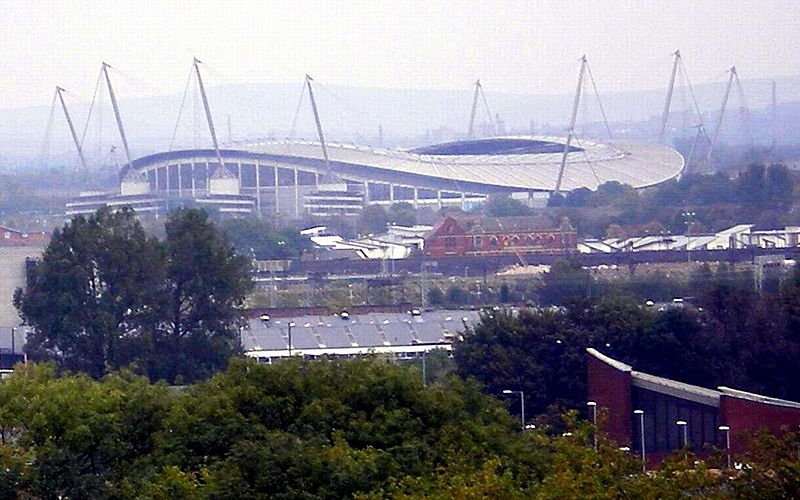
pixel 670 88
pixel 575 105
pixel 104 69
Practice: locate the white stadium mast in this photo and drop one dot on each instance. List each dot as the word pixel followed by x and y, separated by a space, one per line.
pixel 212 131
pixel 733 77
pixel 59 94
pixel 473 112
pixel 318 123
pixel 670 88
pixel 104 70
pixel 571 131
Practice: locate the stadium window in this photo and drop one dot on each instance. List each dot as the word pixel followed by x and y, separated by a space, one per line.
pixel 477 242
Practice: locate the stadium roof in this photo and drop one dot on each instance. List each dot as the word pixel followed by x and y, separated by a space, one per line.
pixel 511 163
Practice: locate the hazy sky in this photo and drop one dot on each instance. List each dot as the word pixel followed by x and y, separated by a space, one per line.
pixel 530 47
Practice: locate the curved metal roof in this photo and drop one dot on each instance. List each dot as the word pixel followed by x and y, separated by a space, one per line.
pixel 589 164
pixel 525 163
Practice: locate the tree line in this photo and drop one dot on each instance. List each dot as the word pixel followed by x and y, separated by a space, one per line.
pixel 365 429
pixel 761 194
pixel 726 334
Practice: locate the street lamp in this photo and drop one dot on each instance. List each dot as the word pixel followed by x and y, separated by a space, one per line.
pixel 689 216
pixel 424 370
pixel 522 404
pixel 682 424
pixel 593 406
pixel 291 324
pixel 727 430
pixel 641 430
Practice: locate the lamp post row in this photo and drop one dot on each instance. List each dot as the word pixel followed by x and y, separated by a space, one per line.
pixel 681 423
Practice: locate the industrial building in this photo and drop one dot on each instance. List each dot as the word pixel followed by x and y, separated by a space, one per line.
pixel 401 335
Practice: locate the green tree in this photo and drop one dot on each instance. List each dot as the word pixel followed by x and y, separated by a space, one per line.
pixel 207 283
pixel 99 280
pixel 457 295
pixel 580 197
pixel 435 296
pixel 373 219
pixel 505 206
pixel 565 280
pixel 106 296
pixel 505 293
pixel 260 238
pixel 403 214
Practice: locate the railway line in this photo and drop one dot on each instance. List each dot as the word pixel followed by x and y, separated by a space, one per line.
pixel 480 265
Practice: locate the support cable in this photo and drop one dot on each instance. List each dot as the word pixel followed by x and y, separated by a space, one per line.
pixel 180 109
pixel 744 111
pixel 599 102
pixel 694 97
pixel 97 89
pixel 297 110
pixel 588 161
pixel 44 151
pixel 488 112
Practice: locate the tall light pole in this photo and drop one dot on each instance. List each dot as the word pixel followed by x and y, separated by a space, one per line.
pixel 641 437
pixel 683 425
pixel 689 216
pixel 424 370
pixel 593 406
pixel 521 402
pixel 727 431
pixel 291 324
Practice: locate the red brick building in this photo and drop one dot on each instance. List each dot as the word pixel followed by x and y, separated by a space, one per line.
pixel 15 238
pixel 619 390
pixel 480 235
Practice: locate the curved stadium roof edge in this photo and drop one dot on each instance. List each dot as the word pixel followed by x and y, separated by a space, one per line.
pixel 513 163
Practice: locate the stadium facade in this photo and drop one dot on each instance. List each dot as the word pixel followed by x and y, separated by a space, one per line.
pixel 291 179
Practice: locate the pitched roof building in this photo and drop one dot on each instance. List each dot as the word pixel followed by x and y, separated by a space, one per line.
pixel 16 238
pixel 482 235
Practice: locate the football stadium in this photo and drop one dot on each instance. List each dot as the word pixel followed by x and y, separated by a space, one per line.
pixel 292 179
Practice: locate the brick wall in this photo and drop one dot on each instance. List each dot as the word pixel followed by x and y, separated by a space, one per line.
pixel 743 415
pixel 610 388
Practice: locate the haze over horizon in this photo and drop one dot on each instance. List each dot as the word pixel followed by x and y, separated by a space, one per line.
pixel 522 47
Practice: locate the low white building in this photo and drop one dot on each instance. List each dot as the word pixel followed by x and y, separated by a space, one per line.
pixel 736 237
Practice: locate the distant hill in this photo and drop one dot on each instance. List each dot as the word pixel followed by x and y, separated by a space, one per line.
pixel 407 117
